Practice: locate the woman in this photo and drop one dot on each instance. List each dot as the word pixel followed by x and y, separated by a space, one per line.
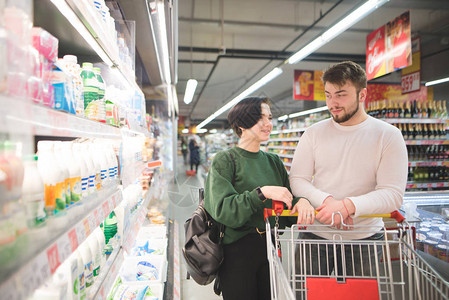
pixel 259 178
pixel 194 155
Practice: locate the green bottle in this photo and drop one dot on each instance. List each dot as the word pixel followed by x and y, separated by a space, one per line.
pixel 90 90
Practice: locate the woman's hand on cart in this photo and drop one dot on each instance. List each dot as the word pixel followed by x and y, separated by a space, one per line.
pixel 305 212
pixel 278 193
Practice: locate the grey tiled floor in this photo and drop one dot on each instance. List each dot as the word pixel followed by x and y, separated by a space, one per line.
pixel 183 195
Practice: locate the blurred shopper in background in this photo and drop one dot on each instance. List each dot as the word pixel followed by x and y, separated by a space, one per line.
pixel 238 201
pixel 184 150
pixel 194 154
pixel 352 165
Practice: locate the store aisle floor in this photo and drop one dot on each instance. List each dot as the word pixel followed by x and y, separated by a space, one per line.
pixel 184 195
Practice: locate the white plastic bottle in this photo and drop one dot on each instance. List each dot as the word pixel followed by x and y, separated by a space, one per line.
pixel 99 235
pixel 90 166
pixel 74 168
pixel 52 177
pixel 96 255
pixel 59 154
pixel 102 158
pixel 113 163
pixel 95 159
pixel 33 193
pixel 84 170
pixel 86 255
pixel 101 91
pixel 80 271
pixel 68 271
pixel 71 65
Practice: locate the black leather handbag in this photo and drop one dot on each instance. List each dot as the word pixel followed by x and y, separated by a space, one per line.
pixel 203 250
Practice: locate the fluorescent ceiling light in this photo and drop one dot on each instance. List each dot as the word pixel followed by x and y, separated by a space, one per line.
pixel 160 36
pixel 213 131
pixel 264 80
pixel 68 13
pixel 185 130
pixel 437 81
pixel 283 118
pixel 190 90
pixel 201 130
pixel 362 11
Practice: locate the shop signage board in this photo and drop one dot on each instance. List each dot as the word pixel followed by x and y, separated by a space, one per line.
pixel 389 48
pixel 307 85
pixel 394 91
pixel 411 76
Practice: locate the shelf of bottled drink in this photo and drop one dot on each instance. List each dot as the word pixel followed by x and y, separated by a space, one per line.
pixel 44 249
pixel 425 185
pixel 23 116
pixel 428 163
pixel 427 142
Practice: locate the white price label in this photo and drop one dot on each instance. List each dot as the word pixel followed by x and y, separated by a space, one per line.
pixel 410 82
pixel 81 232
pixel 97 218
pixel 64 247
pixel 92 222
pixel 42 269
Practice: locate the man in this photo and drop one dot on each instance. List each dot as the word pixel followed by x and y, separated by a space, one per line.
pixel 349 165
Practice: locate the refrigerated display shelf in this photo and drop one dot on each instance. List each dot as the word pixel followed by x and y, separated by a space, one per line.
pixel 78 13
pixel 104 282
pixel 36 266
pixel 423 185
pixel 428 163
pixel 21 116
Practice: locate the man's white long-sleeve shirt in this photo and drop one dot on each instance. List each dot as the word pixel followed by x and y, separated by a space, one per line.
pixel 366 163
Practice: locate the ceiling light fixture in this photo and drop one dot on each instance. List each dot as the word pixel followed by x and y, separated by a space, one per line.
pixel 159 32
pixel 185 130
pixel 437 81
pixel 261 82
pixel 362 11
pixel 73 19
pixel 190 90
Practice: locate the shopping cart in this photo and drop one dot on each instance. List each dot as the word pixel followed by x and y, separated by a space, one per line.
pixel 384 268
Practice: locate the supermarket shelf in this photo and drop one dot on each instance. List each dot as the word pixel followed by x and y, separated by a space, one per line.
pixel 414 121
pixel 428 163
pixel 284 155
pixel 427 142
pixel 288 139
pixel 282 147
pixel 103 284
pixel 24 117
pixel 91 21
pixel 424 185
pixel 40 264
pixel 289 130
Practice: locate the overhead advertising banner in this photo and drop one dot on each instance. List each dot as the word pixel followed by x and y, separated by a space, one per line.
pixel 389 47
pixel 307 85
pixel 411 76
pixel 394 91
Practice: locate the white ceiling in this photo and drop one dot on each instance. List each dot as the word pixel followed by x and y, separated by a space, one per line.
pixel 228 49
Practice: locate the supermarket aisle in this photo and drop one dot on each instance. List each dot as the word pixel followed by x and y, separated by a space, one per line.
pixel 184 196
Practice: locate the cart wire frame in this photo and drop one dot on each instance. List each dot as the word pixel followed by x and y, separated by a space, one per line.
pixel 395 270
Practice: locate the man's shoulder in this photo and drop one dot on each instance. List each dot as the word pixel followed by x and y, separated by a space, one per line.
pixel 321 125
pixel 383 126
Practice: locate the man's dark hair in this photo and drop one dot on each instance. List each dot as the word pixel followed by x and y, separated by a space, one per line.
pixel 342 72
pixel 246 113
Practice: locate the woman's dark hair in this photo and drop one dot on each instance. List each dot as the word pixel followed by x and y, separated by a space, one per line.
pixel 340 73
pixel 246 113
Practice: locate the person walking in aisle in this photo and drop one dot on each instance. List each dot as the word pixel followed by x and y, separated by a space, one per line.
pixel 184 150
pixel 194 154
pixel 260 177
pixel 351 164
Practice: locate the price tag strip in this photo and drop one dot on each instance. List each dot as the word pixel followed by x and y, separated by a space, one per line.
pixel 33 274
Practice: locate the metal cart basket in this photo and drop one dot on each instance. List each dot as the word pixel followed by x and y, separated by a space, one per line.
pixel 384 268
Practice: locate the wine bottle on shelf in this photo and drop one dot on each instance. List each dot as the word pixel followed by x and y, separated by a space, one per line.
pixel 400 109
pixel 413 109
pixel 429 110
pixel 389 109
pixel 431 132
pixel 407 110
pixel 419 132
pixel 383 111
pixel 425 131
pixel 439 110
pixel 424 110
pixel 410 174
pixel 418 109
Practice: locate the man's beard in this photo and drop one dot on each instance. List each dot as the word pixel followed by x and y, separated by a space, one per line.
pixel 348 115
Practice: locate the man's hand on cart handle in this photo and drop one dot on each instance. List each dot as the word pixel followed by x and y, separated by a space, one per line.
pixel 278 210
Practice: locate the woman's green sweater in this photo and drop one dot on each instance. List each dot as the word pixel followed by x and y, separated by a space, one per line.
pixel 238 207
